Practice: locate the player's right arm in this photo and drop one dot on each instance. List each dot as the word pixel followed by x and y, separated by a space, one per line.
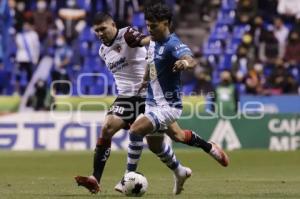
pixel 135 38
pixel 145 41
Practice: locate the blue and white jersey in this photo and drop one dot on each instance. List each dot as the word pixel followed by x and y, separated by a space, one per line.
pixel 165 85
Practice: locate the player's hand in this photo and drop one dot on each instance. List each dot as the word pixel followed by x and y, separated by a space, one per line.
pixel 133 37
pixel 143 86
pixel 180 65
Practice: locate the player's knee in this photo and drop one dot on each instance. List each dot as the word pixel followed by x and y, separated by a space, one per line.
pixel 135 129
pixel 108 131
pixel 142 127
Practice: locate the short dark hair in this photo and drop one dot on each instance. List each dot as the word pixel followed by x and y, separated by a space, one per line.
pixel 101 17
pixel 158 12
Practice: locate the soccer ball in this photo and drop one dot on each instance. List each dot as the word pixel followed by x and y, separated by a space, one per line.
pixel 134 184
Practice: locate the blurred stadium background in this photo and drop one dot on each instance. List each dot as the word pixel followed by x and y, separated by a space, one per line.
pixel 244 94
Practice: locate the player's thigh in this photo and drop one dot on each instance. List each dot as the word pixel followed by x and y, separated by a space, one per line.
pixel 111 125
pixel 175 132
pixel 142 126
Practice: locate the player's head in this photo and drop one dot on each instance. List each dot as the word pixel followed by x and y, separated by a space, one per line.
pixel 104 27
pixel 158 19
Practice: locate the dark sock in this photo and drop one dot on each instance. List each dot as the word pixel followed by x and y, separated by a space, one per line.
pixel 101 155
pixel 193 139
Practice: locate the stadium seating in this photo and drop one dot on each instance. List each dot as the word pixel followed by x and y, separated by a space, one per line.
pixel 219 50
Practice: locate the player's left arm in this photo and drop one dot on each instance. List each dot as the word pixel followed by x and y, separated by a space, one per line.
pixel 184 56
pixel 185 62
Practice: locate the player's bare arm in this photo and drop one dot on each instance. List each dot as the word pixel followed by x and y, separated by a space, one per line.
pixel 145 41
pixel 185 62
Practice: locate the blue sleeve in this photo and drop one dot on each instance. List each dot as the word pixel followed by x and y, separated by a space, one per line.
pixel 179 49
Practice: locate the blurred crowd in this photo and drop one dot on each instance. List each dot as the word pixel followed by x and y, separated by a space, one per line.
pixel 256 42
pixel 271 47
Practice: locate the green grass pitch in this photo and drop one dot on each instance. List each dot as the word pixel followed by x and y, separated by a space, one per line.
pixel 251 174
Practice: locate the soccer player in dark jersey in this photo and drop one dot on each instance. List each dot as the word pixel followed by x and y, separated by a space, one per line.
pixel 124 55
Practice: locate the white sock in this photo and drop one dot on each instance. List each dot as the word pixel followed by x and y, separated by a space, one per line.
pixel 180 170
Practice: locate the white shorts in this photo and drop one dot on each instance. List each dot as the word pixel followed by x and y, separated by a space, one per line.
pixel 162 116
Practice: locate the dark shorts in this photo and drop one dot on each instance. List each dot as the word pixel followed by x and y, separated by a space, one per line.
pixel 127 108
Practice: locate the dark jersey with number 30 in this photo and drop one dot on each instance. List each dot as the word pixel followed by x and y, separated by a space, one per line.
pixel 128 108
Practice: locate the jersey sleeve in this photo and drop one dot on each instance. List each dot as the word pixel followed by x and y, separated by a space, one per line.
pixel 180 49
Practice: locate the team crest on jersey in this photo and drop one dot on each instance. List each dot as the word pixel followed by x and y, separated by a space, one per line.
pixel 161 50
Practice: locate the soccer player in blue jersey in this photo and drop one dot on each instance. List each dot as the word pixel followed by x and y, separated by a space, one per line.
pixel 156 143
pixel 166 57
